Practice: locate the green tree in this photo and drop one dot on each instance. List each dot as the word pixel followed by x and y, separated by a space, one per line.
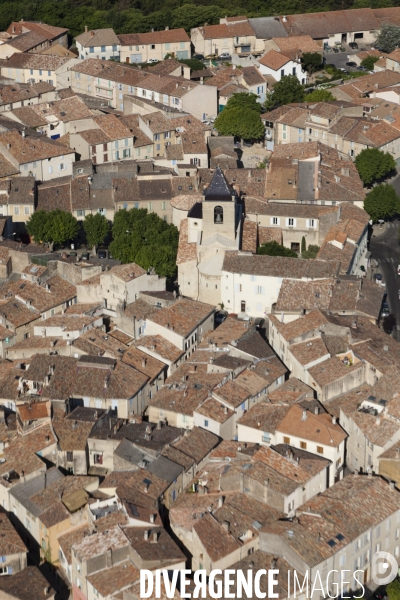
pixel 311 252
pixel 275 249
pixel 241 118
pixel 303 244
pixel 144 238
pixel 37 225
pixel 382 202
pixel 389 38
pixel 286 91
pixel 319 96
pixel 62 226
pixel 373 164
pixel 369 62
pixel 245 101
pixel 312 61
pixel 393 590
pixel 96 228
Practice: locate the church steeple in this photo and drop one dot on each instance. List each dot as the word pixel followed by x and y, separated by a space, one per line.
pixel 219 189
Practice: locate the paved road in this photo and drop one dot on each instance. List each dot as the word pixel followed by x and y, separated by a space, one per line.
pixel 386 250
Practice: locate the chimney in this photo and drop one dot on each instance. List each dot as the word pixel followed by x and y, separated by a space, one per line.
pixel 86 29
pixel 152 518
pixel 333 420
pixel 316 410
pixel 146 488
pixel 146 535
pixel 226 525
pixel 115 429
pixel 304 417
pixel 220 501
pixel 391 485
pixel 155 537
pixel 144 361
pixel 386 348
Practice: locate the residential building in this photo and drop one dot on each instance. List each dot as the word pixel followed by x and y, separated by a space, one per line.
pixel 142 47
pixel 35 156
pixel 111 82
pixel 54 35
pixel 278 65
pixel 324 531
pixel 229 37
pixel 98 43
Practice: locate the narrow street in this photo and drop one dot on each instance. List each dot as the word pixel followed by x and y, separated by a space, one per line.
pixel 385 249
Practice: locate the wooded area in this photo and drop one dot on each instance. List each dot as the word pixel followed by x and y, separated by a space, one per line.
pixel 134 16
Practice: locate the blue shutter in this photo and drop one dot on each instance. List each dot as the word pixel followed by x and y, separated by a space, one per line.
pixel 9 570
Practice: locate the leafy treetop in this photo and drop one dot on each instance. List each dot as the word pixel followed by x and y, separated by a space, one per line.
pixel 382 202
pixel 373 164
pixel 275 249
pixel 286 91
pixel 241 118
pixel 56 226
pixel 96 228
pixel 389 38
pixel 144 238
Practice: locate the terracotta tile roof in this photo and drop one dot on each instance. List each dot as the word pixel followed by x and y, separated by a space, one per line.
pixel 187 251
pixel 33 411
pixel 26 41
pixel 160 347
pixel 183 316
pixel 97 37
pixel 146 364
pixel 26 584
pixel 331 370
pixel 274 60
pixel 26 149
pixel 155 37
pixel 317 428
pixel 249 236
pixel 264 416
pixel 48 31
pixel 278 266
pixel 309 351
pixel 310 322
pixel 22 452
pixel 118 577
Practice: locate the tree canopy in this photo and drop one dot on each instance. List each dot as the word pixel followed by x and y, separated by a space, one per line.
pixel 241 118
pixel 319 96
pixel 275 249
pixel 144 238
pixel 369 62
pixel 287 90
pixel 373 164
pixel 393 590
pixel 382 202
pixel 389 38
pixel 311 251
pixel 56 226
pixel 96 228
pixel 312 61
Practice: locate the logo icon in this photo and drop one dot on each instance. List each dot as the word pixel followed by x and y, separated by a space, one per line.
pixel 384 568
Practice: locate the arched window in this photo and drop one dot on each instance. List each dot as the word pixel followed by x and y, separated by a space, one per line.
pixel 218 214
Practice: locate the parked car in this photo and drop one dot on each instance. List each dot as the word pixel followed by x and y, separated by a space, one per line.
pixel 102 253
pixel 153 60
pixel 385 309
pixel 73 253
pixel 360 68
pixel 85 255
pixel 353 45
pixel 220 317
pixel 225 55
pixel 198 56
pixel 379 279
pixel 351 63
